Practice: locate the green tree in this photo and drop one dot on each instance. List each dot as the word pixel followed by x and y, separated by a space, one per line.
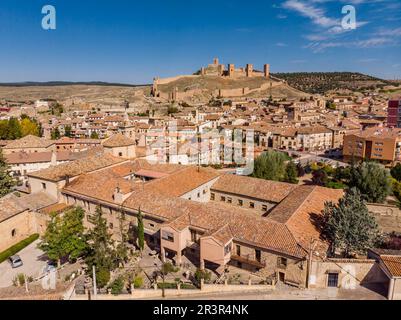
pixel 94 135
pixel 141 231
pixel 67 131
pixel 14 129
pixel 291 173
pixel 55 134
pixel 320 177
pixel 349 226
pixel 270 166
pixel 396 172
pixel 65 236
pixel 7 182
pixel 101 246
pixel 372 180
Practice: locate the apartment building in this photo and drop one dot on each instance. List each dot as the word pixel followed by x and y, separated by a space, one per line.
pixel 383 145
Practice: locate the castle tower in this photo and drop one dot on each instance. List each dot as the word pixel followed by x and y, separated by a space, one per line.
pixel 249 70
pixel 231 70
pixel 216 61
pixel 203 72
pixel 267 70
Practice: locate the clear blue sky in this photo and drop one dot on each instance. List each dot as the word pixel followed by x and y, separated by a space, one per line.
pixel 133 41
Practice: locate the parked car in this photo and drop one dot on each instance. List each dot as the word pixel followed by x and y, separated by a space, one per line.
pixel 15 261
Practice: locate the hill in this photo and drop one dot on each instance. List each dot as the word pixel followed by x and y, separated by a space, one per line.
pixel 322 82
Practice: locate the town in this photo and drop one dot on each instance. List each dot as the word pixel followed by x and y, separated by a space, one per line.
pixel 223 181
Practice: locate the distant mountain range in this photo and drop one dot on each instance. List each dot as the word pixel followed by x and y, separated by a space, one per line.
pixel 67 83
pixel 322 82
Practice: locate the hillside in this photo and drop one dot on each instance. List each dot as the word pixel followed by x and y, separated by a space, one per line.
pixel 209 85
pixel 322 82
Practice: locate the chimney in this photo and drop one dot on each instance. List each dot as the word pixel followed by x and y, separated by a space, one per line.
pixel 67 180
pixel 118 197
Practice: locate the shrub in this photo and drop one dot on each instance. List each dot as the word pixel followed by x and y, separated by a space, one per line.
pixel 138 282
pixel 117 286
pixel 102 277
pixel 202 274
pixel 167 285
pixel 18 247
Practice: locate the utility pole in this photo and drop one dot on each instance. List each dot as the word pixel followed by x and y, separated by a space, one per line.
pixel 310 256
pixel 94 282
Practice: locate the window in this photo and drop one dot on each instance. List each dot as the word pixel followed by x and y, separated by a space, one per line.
pixel 204 191
pixel 252 205
pixel 111 225
pixel 43 186
pixel 151 225
pixel 212 196
pixel 229 200
pixel 264 207
pixel 198 194
pixel 238 250
pixel 222 198
pixel 120 154
pixel 257 255
pixel 13 232
pixel 282 262
pixel 332 280
pixel 169 236
pixel 240 202
pixel 227 249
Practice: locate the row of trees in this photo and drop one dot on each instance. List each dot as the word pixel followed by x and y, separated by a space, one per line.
pixel 15 129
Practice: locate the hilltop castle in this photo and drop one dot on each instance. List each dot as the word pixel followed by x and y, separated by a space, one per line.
pixel 217 69
pixel 168 88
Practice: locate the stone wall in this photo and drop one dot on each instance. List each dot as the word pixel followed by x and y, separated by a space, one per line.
pixel 387 216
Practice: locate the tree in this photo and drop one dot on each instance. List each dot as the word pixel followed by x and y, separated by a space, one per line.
pixel 396 172
pixel 270 166
pixel 64 236
pixel 348 225
pixel 101 246
pixel 94 135
pixel 55 134
pixel 29 127
pixel 67 131
pixel 300 169
pixel 320 177
pixel 141 231
pixel 7 182
pixel 291 173
pixel 372 180
pixel 14 129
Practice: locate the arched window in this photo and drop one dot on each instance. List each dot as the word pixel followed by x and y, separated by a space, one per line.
pixel 13 232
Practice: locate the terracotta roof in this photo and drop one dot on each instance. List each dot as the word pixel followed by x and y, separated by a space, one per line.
pixel 118 140
pixel 392 264
pixel 183 181
pixel 301 212
pixel 77 167
pixel 36 157
pixel 29 141
pixel 99 185
pixel 9 207
pixel 12 205
pixel 266 190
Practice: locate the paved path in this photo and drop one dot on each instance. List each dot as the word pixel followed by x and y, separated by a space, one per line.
pixel 34 262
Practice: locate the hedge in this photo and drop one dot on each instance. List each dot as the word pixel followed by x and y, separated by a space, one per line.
pixel 17 247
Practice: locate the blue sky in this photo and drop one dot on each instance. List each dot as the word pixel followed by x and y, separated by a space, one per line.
pixel 133 41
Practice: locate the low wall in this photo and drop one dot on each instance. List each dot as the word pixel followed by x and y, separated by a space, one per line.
pixel 158 293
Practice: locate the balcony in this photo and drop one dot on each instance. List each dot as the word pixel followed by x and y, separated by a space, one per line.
pixel 249 259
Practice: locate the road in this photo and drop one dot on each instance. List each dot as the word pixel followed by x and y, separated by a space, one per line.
pixel 34 262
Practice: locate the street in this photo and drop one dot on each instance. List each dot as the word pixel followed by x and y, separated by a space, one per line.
pixel 34 262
